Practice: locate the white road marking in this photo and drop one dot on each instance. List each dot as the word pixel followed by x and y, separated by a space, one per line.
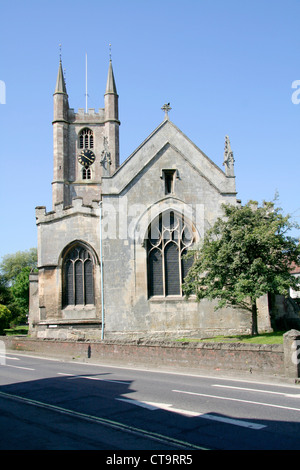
pixel 238 399
pixel 235 422
pixel 72 376
pixel 167 440
pixel 290 395
pixel 10 357
pixel 168 407
pixel 158 406
pixel 156 371
pixel 19 367
pixel 142 404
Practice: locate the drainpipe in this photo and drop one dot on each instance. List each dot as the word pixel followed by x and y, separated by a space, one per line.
pixel 101 268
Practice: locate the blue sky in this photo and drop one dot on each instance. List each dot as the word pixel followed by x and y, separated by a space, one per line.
pixel 226 67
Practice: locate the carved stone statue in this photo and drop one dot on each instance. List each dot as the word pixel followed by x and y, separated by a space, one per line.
pixel 105 158
pixel 228 158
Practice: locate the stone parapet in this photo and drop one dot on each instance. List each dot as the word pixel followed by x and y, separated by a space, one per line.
pixel 90 117
pixel 42 216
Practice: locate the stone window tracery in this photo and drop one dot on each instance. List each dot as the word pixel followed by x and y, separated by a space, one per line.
pixel 169 238
pixel 78 285
pixel 86 139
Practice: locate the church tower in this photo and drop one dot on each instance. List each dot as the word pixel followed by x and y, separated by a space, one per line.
pixel 85 144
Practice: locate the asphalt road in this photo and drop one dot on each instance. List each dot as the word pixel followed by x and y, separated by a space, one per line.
pixel 52 404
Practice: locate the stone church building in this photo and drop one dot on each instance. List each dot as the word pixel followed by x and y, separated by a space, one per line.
pixel 111 251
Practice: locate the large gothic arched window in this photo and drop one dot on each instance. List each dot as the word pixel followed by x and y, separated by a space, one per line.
pixel 169 238
pixel 78 277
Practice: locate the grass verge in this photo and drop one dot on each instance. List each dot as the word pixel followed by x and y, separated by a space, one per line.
pixel 16 330
pixel 263 338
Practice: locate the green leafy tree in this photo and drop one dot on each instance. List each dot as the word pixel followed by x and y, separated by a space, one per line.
pixel 20 293
pixel 12 264
pixel 5 318
pixel 245 255
pixel 14 282
pixel 5 294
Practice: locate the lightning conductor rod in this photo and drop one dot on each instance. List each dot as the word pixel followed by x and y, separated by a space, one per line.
pixel 86 93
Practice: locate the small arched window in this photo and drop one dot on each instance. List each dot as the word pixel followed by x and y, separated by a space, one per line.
pixel 169 238
pixel 86 174
pixel 78 277
pixel 86 139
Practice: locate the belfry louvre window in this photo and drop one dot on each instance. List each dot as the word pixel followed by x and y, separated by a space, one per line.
pixel 78 285
pixel 86 139
pixel 169 238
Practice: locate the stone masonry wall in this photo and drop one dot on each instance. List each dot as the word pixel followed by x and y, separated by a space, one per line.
pixel 264 359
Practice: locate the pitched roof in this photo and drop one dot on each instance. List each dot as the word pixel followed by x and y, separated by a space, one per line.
pixel 167 136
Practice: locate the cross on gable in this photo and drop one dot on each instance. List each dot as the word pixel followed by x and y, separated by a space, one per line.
pixel 166 108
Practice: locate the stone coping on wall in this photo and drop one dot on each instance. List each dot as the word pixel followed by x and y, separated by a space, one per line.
pixel 154 343
pixel 263 359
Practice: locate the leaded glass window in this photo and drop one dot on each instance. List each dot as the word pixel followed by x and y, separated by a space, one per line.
pixel 169 238
pixel 78 285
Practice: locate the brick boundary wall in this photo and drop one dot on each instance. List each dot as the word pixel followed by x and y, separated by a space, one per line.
pixel 264 359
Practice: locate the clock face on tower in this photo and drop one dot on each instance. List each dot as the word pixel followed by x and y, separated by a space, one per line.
pixel 86 158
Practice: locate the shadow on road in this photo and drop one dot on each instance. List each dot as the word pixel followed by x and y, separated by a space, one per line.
pixel 88 412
